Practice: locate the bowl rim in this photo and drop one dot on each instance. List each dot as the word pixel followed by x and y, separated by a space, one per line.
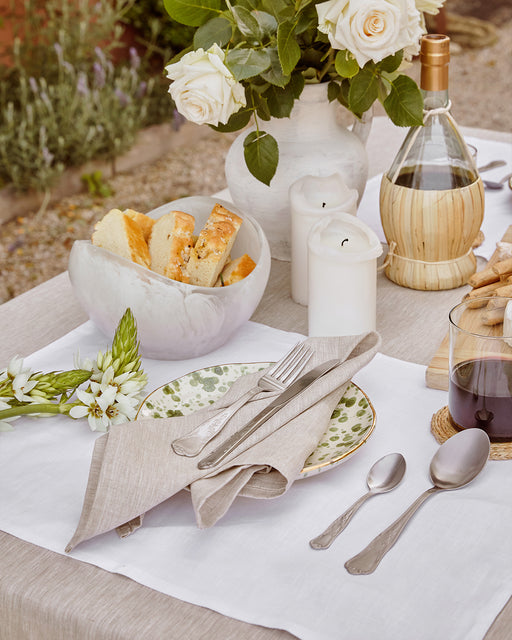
pixel 263 258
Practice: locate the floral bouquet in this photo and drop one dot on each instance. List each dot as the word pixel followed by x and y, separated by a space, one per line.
pixel 114 383
pixel 251 58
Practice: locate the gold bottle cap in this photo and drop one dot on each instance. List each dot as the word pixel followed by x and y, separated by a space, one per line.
pixel 434 58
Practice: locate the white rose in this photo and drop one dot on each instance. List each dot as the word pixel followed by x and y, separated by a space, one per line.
pixel 370 29
pixel 414 27
pixel 204 89
pixel 429 6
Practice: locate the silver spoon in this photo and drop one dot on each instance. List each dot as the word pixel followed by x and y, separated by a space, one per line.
pixel 491 184
pixel 384 475
pixel 494 164
pixel 458 461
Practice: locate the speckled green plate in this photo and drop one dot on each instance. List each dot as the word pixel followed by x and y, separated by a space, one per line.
pixel 351 424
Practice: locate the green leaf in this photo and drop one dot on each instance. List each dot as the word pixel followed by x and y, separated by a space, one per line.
pixel 281 9
pixel 296 84
pixel 246 63
pixel 245 21
pixel 261 155
pixel 391 63
pixel 308 17
pixel 237 121
pixel 345 64
pixel 274 74
pixel 248 4
pixel 280 100
pixel 301 4
pixel 287 47
pixel 193 13
pixel 262 108
pixel 333 91
pixel 364 90
pixel 217 30
pixel 404 104
pixel 344 91
pixel 266 22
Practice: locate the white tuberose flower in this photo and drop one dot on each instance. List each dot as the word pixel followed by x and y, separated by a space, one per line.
pixel 104 405
pixel 371 29
pixel 19 377
pixel 95 404
pixel 204 89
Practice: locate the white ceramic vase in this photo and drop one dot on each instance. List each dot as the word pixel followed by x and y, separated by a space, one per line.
pixel 311 142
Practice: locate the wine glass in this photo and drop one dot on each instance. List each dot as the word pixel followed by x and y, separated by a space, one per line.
pixel 480 363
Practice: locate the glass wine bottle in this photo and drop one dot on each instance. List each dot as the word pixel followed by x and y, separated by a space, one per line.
pixel 432 199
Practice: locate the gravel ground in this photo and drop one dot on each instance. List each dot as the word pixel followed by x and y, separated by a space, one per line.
pixel 36 247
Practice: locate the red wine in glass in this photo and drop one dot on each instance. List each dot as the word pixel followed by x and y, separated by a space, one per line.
pixel 480 395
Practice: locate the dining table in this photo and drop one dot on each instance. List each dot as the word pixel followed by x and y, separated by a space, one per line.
pixel 49 595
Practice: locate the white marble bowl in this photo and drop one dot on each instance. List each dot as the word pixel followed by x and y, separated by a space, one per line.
pixel 174 320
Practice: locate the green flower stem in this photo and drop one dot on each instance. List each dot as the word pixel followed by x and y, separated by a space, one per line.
pixel 328 65
pixel 27 409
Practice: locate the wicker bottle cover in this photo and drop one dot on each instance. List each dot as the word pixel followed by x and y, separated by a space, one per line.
pixel 432 198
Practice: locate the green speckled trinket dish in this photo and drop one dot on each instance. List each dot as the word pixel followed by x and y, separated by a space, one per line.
pixel 350 426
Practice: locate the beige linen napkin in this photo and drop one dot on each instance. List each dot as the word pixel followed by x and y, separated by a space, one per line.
pixel 133 467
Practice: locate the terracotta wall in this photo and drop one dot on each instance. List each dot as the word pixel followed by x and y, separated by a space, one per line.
pixel 7 35
pixel 6 30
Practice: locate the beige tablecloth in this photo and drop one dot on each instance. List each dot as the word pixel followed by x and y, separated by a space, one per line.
pixel 47 596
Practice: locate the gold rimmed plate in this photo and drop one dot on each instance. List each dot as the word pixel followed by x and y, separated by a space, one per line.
pixel 351 424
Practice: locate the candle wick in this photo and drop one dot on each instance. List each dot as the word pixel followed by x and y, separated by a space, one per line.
pixel 343 241
pixel 323 204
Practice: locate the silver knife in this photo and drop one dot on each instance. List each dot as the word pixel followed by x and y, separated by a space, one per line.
pixel 231 443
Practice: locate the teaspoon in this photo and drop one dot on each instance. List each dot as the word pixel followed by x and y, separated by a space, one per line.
pixel 491 184
pixel 458 461
pixel 384 475
pixel 494 164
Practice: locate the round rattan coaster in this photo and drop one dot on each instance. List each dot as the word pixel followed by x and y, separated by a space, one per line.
pixel 443 429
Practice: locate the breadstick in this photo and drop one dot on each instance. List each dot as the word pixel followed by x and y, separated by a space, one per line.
pixel 497 303
pixel 484 277
pixel 505 291
pixel 494 316
pixel 475 295
pixel 503 267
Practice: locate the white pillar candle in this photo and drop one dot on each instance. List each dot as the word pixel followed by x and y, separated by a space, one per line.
pixel 311 198
pixel 342 276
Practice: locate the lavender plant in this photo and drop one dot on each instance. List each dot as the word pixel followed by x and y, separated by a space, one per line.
pixel 77 105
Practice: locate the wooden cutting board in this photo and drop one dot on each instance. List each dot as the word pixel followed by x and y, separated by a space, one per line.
pixel 436 375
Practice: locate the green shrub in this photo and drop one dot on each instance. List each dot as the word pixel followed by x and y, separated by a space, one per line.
pixel 62 101
pixel 157 30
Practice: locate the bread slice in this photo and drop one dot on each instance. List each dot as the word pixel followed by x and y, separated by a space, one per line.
pixel 145 222
pixel 211 251
pixel 235 270
pixel 170 244
pixel 119 233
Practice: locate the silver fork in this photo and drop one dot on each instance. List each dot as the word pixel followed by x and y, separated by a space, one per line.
pixel 277 378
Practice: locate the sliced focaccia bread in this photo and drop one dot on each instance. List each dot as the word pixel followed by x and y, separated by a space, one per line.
pixel 235 270
pixel 142 220
pixel 118 233
pixel 170 243
pixel 211 251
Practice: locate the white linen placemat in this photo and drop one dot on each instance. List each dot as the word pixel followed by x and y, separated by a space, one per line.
pixel 447 577
pixel 498 204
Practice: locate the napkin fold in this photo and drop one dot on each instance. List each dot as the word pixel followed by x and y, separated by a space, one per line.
pixel 134 468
